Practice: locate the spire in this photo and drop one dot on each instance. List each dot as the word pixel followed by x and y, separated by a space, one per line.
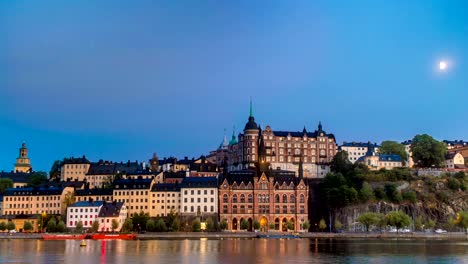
pixel 251 111
pixel 320 126
pixel 233 138
pixel 304 130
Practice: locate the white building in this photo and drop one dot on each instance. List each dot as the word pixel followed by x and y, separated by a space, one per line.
pixel 357 149
pixel 86 212
pixel 112 211
pixel 454 161
pixel 165 198
pixel 199 196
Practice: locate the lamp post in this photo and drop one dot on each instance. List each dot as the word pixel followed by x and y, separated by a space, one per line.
pixel 43 215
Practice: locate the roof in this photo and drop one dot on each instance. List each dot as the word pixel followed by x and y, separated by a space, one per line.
pixel 110 209
pixel 73 160
pixel 87 204
pixel 96 191
pixel 111 168
pixel 33 191
pixel 250 125
pixel 246 176
pixel 199 182
pixel 172 174
pixel 359 144
pixel 166 187
pixel 16 177
pixel 303 133
pixel 389 157
pixel 132 184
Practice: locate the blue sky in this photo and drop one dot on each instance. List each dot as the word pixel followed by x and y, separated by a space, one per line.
pixel 119 80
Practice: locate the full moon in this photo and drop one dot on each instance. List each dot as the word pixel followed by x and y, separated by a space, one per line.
pixel 442 65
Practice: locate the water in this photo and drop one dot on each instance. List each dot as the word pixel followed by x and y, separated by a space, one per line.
pixel 242 251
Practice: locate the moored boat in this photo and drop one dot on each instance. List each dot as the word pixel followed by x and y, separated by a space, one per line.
pixel 62 236
pixel 114 236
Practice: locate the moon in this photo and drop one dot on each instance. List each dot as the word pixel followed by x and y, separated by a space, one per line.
pixel 443 65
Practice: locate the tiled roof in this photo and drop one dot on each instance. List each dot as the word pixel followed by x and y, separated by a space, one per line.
pixel 73 160
pixel 166 187
pixel 96 191
pixel 110 209
pixel 359 144
pixel 199 182
pixel 389 157
pixel 87 204
pixel 132 184
pixel 33 191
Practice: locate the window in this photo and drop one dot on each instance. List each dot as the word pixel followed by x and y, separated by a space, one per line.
pixel 242 198
pixel 234 198
pixel 225 209
pixel 285 209
pixel 285 198
pixel 302 198
pixel 250 198
pixel 292 198
pixel 225 198
pixel 234 209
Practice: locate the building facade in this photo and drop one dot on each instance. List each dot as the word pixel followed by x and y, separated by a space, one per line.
pixel 454 160
pixel 199 196
pixel 135 193
pixel 23 163
pixel 94 195
pixel 165 199
pixel 115 211
pixel 74 168
pixel 87 212
pixel 356 150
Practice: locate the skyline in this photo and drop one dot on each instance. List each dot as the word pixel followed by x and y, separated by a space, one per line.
pixel 119 81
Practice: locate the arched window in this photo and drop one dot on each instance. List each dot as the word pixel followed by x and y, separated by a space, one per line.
pixel 302 199
pixel 292 198
pixel 225 198
pixel 250 198
pixel 242 198
pixel 234 198
pixel 285 198
pixel 277 199
pixel 234 209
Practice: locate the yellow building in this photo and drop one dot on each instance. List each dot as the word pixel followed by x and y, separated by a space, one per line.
pixel 19 221
pixel 134 193
pixel 23 164
pixel 87 195
pixel 165 198
pixel 74 169
pixel 28 200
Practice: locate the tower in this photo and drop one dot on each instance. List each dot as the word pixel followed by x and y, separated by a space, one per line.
pixel 250 141
pixel 23 164
pixel 154 163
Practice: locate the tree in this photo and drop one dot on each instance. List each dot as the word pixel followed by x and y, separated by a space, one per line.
pixel 5 183
pixel 392 193
pixel 2 226
pixel 379 193
pixel 27 226
pixel 340 162
pixel 256 225
pixel 338 224
pixel 115 224
pixel 150 225
pixel 95 226
pixel 418 224
pixel 10 226
pixel 366 193
pixel 51 225
pixel 410 196
pixel 160 225
pixel 127 226
pixel 54 173
pixel 430 224
pixel 79 227
pixel 196 225
pixel 60 226
pixel 290 225
pixel 453 184
pixel 462 220
pixel 244 225
pixel 306 225
pixel 428 152
pixel 322 224
pixel 175 226
pixel 393 147
pixel 139 221
pixel 398 219
pixel 223 225
pixel 369 219
pixel 37 179
pixel 271 226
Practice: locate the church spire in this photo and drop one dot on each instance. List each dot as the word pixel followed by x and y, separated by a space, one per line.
pixel 251 111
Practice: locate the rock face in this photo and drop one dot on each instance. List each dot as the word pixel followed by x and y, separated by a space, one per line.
pixel 441 212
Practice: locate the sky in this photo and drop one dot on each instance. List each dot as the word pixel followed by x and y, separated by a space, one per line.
pixel 121 80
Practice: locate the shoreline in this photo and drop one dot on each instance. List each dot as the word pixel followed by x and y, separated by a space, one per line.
pixel 249 235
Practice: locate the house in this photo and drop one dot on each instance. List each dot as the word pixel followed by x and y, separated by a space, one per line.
pixel 356 150
pixel 165 198
pixel 454 160
pixel 84 211
pixel 94 195
pixel 135 194
pixel 115 211
pixel 199 196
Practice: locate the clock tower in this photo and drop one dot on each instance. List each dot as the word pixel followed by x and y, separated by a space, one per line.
pixel 23 164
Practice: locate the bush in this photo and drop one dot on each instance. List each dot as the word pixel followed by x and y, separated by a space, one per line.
pixel 60 227
pixel 244 225
pixel 51 225
pixel 223 225
pixel 379 193
pixel 160 225
pixel 10 226
pixel 209 224
pixel 196 225
pixel 175 226
pixel 305 225
pixel 128 225
pixel 256 225
pixel 95 226
pixel 150 225
pixel 2 226
pixel 453 184
pixel 27 226
pixel 79 227
pixel 410 196
pixel 366 193
pixel 392 193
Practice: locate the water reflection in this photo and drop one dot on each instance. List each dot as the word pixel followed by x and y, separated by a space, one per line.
pixel 235 251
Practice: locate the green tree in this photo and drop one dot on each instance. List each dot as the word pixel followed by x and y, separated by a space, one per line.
pixel 51 225
pixel 379 193
pixel 398 219
pixel 27 226
pixel 95 226
pixel 430 224
pixel 150 225
pixel 393 147
pixel 290 225
pixel 340 163
pixel 392 193
pixel 244 225
pixel 338 224
pixel 418 223
pixel 115 224
pixel 256 225
pixel 223 225
pixel 79 227
pixel 10 226
pixel 271 226
pixel 410 196
pixel 306 225
pixel 54 173
pixel 366 193
pixel 196 225
pixel 2 226
pixel 428 152
pixel 160 225
pixel 127 226
pixel 369 219
pixel 60 227
pixel 139 220
pixel 5 183
pixel 453 184
pixel 175 226
pixel 322 224
pixel 37 178
pixel 462 220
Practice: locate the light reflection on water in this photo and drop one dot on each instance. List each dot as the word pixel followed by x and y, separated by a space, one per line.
pixel 242 251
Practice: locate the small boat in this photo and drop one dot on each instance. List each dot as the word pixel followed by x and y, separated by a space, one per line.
pixel 83 243
pixel 63 236
pixel 114 236
pixel 277 236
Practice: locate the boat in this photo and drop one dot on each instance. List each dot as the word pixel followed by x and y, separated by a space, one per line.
pixel 63 236
pixel 277 236
pixel 114 236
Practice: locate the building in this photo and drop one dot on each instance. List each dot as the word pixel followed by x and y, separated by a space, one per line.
pixel 203 168
pixel 28 200
pixel 165 199
pixel 104 172
pixel 409 162
pixel 94 195
pixel 1 204
pixel 19 220
pixel 19 179
pixel 283 149
pixel 23 163
pixel 270 197
pixel 381 161
pixel 199 197
pixel 454 160
pixel 74 168
pixel 115 211
pixel 85 211
pixel 356 150
pixel 134 193
pixel 453 144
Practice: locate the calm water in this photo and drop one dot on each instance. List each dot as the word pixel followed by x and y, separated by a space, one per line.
pixel 242 251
